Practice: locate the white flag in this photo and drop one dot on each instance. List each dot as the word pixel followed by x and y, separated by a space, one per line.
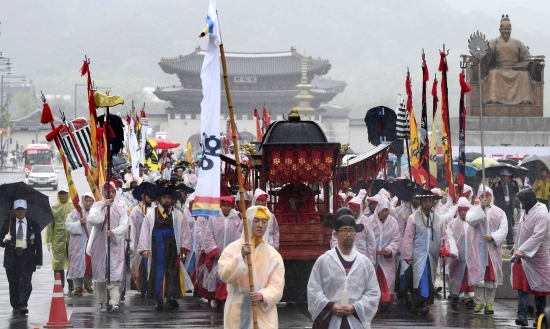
pixel 134 149
pixel 207 192
pixel 144 127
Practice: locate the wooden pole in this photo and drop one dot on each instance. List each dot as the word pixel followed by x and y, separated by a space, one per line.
pixel 108 214
pixel 240 180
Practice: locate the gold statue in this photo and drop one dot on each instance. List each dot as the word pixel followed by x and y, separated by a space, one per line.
pixel 101 100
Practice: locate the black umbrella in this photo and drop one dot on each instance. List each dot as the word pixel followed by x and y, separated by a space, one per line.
pixel 508 161
pixel 471 156
pixel 404 189
pixel 493 170
pixel 535 163
pixel 38 204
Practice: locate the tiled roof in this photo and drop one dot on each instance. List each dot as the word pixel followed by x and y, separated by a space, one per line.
pixel 288 62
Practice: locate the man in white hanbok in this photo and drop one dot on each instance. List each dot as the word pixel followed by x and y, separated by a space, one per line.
pixel 343 291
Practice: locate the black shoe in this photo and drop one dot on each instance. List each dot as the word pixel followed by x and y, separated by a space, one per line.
pixel 159 306
pixel 438 289
pixel 23 310
pixel 470 304
pixel 522 322
pixel 171 304
pixel 142 294
pixel 424 310
pixel 16 311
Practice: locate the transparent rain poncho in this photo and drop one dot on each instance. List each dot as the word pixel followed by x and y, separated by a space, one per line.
pixel 498 228
pixel 387 236
pixel 532 241
pixel 78 240
pixel 269 280
pixel 456 232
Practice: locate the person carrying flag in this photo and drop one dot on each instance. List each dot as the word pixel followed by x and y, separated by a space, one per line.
pixel 79 263
pixel 420 249
pixel 97 245
pixel 220 231
pixel 269 275
pixel 485 276
pixel 164 241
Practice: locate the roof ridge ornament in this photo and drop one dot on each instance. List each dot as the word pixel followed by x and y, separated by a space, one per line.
pixel 294 116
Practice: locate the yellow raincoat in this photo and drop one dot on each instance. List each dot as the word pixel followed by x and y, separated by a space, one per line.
pixel 56 234
pixel 269 277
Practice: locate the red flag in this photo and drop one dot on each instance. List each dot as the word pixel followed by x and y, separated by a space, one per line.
pixel 424 141
pixel 445 127
pixel 259 134
pixel 461 176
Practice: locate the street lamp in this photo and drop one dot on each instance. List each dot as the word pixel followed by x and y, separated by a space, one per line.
pixel 82 85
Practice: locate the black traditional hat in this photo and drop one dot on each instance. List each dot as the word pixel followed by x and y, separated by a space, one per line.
pixel 183 187
pixel 167 189
pixel 144 187
pixel 427 194
pixel 343 211
pixel 348 220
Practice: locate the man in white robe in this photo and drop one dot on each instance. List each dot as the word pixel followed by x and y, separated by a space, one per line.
pixel 343 290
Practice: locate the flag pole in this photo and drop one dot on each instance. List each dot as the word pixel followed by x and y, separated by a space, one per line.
pixel 408 137
pixel 74 198
pixel 478 46
pixel 239 179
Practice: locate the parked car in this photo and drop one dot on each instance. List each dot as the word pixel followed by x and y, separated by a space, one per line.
pixel 43 176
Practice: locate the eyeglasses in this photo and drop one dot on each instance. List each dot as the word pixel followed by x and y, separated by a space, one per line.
pixel 345 231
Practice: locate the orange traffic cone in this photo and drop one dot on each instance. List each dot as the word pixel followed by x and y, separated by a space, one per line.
pixel 58 312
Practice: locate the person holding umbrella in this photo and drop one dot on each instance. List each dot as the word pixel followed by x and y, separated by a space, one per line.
pixel 22 255
pixel 57 238
pixel 542 186
pixel 505 193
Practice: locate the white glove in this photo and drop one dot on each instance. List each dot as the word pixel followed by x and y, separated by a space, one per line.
pixel 49 247
pixel 38 267
pixel 7 238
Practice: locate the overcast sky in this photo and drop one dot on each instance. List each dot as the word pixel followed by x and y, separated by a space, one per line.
pixel 369 43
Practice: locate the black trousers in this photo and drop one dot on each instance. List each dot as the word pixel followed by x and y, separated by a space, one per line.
pixel 62 275
pixel 19 280
pixel 509 211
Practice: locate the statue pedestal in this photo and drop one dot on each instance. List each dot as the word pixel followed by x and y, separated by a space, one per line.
pixel 503 110
pixel 504 131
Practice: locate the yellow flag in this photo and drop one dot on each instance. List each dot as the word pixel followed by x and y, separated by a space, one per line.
pixel 189 154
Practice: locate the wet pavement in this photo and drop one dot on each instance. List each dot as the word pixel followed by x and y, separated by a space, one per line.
pixel 140 313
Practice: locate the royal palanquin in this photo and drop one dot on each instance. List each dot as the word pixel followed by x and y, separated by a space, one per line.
pixel 299 169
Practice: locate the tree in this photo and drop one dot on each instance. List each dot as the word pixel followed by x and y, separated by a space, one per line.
pixel 26 104
pixel 5 115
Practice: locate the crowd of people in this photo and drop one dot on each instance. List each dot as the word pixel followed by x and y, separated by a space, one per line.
pixel 386 251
